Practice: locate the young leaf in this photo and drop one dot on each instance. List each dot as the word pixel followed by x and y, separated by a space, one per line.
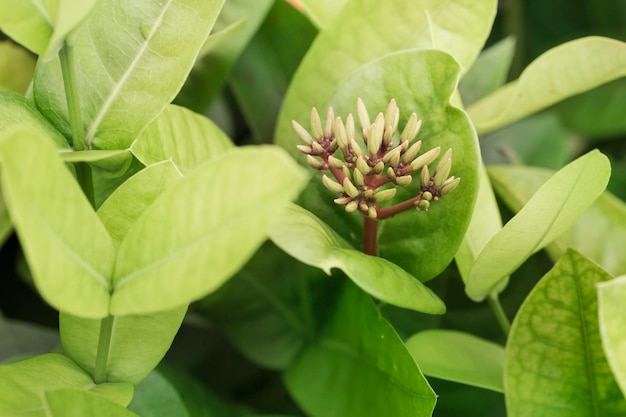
pixel 305 237
pixel 23 384
pixel 27 23
pixel 563 71
pixel 128 202
pixel 111 163
pixel 322 12
pixel 359 366
pixel 66 15
pixel 17 68
pixel 197 234
pixel 554 364
pixel 130 358
pixel 611 296
pixel 599 233
pixel 70 402
pixel 549 213
pixel 460 357
pixel 459 28
pixel 155 396
pixel 182 136
pixel 134 57
pixel 68 249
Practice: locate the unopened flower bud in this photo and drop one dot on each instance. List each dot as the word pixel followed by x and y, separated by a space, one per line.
pixel 372 213
pixel 349 188
pixel 340 134
pixel 404 180
pixel 425 177
pixel 412 152
pixel 427 195
pixel 335 162
pixel 313 162
pixel 342 200
pixel 379 167
pixel 391 174
pixel 425 159
pixel 423 205
pixel 332 185
pixel 304 149
pixel 385 194
pixel 330 120
pixel 362 165
pixel 350 127
pixel 317 148
pixel 363 206
pixel 359 180
pixel 356 149
pixel 352 206
pixel 411 129
pixel 302 133
pixel 375 136
pixel 316 124
pixel 364 119
pixel 443 169
pixel 449 185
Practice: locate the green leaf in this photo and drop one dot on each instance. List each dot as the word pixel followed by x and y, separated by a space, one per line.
pixel 129 201
pixel 134 57
pixel 550 212
pixel 457 27
pixel 66 15
pixel 459 357
pixel 359 367
pixel 68 249
pixel 27 22
pixel 182 136
pixel 17 68
pixel 156 397
pixel 305 237
pixel 130 358
pixel 611 296
pixel 408 238
pixel 554 364
pixel 599 233
pixel 566 70
pixel 217 217
pixel 23 384
pixel 70 402
pixel 111 163
pixel 15 110
pixel 322 12
pixel 489 71
pixel 6 227
pixel 25 339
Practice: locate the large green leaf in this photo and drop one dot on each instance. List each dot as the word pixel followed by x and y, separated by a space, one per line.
pixel 308 239
pixel 69 402
pixel 564 71
pixel 611 296
pixel 111 164
pixel 370 29
pixel 25 339
pixel 134 57
pixel 599 233
pixel 549 213
pixel 23 384
pixel 423 82
pixel 122 209
pixel 17 68
pixel 137 345
pixel 156 397
pixel 554 363
pixel 69 251
pixel 182 136
pixel 197 234
pixel 322 12
pixel 359 367
pixel 460 357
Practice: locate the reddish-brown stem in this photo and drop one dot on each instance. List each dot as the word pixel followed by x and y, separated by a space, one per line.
pixel 387 212
pixel 370 236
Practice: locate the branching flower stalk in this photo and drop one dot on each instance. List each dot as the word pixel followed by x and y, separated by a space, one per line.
pixel 364 177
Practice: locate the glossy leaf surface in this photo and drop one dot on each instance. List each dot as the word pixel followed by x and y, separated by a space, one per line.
pixel 305 237
pixel 359 352
pixel 134 57
pixel 554 363
pixel 566 70
pixel 551 211
pixel 459 357
pixel 72 266
pixel 197 234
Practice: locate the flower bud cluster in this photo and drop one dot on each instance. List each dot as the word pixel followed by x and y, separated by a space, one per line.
pixel 367 174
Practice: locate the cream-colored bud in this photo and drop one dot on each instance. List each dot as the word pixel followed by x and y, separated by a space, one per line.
pixel 356 149
pixel 352 206
pixel 335 162
pixel 423 205
pixel 316 124
pixel 362 165
pixel 449 185
pixel 391 174
pixel 443 169
pixel 340 134
pixel 361 111
pixel 425 159
pixel 359 180
pixel 304 149
pixel 425 177
pixel 372 213
pixel 342 200
pixel 392 113
pixel 363 206
pixel 313 162
pixel 332 185
pixel 375 135
pixel 350 127
pixel 395 151
pixel 385 194
pixel 317 148
pixel 427 195
pixel 349 188
pixel 379 167
pixel 330 120
pixel 412 152
pixel 411 129
pixel 302 133
pixel 404 180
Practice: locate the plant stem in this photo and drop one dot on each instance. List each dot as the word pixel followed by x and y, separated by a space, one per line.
pixel 83 170
pixel 104 344
pixel 370 236
pixel 496 307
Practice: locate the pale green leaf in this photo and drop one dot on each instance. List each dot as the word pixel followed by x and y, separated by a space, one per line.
pixel 134 57
pixel 197 234
pixel 182 136
pixel 70 254
pixel 130 358
pixel 308 239
pixel 554 363
pixel 156 397
pixel 15 110
pixel 611 296
pixel 459 357
pixel 370 29
pixel 599 233
pixel 322 12
pixel 17 68
pixel 489 72
pixel 23 384
pixel 359 367
pixel 27 22
pixel 66 16
pixel 70 402
pixel 110 163
pixel 119 212
pixel 549 213
pixel 566 70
